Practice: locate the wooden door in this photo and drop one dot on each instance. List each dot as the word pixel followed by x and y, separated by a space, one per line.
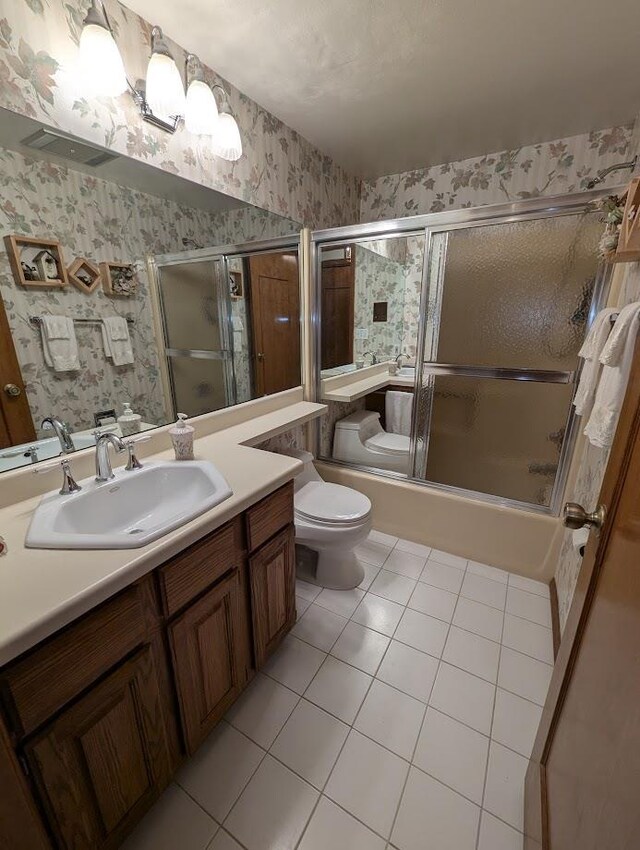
pixel 208 650
pixel 104 760
pixel 274 289
pixel 273 584
pixel 338 297
pixel 584 775
pixel 16 424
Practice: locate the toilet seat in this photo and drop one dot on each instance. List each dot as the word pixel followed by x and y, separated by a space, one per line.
pixel 331 504
pixel 389 444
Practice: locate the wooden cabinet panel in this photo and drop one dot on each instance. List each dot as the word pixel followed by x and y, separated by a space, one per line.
pixel 269 516
pixel 272 575
pixel 102 762
pixel 201 565
pixel 208 649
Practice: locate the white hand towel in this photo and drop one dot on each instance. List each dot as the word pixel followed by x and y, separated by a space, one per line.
pixel 590 351
pixel 398 410
pixel 116 340
pixel 59 343
pixel 601 427
pixel 613 351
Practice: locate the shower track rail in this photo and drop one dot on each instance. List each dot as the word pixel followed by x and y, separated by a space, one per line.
pixel 541 376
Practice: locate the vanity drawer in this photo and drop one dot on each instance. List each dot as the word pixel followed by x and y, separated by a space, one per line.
pixel 198 567
pixel 57 671
pixel 269 516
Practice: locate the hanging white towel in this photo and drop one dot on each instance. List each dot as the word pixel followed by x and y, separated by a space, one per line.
pixel 59 343
pixel 591 351
pixel 116 340
pixel 398 410
pixel 618 356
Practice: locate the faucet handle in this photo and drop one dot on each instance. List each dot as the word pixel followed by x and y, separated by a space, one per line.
pixel 69 484
pixel 133 462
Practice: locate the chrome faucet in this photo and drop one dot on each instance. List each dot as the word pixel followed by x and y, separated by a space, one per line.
pixel 62 433
pixel 399 359
pixel 374 359
pixel 104 472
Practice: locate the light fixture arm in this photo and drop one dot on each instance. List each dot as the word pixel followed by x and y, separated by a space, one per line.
pixel 224 106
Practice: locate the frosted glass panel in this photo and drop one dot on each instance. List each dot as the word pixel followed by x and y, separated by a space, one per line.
pixel 497 437
pixel 517 295
pixel 199 385
pixel 190 300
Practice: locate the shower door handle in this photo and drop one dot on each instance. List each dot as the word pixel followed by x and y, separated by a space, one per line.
pixel 574 516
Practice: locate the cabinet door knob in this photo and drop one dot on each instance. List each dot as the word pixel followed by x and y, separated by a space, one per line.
pixel 12 390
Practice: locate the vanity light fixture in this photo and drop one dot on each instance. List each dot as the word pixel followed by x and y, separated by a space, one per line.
pixel 201 111
pixel 100 62
pixel 164 91
pixel 227 142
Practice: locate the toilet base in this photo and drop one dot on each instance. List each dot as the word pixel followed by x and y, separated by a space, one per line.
pixel 334 569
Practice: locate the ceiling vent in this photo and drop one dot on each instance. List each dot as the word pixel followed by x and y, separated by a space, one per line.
pixel 67 147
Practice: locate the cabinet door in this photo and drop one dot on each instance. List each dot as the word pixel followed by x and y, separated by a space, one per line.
pixel 104 760
pixel 208 651
pixel 273 584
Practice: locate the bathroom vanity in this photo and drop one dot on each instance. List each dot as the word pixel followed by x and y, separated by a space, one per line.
pixel 98 717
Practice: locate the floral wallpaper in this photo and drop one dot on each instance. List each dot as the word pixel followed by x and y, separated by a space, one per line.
pixel 549 168
pixel 279 170
pixel 378 279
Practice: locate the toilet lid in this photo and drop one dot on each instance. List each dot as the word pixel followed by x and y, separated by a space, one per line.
pixel 332 503
pixel 389 444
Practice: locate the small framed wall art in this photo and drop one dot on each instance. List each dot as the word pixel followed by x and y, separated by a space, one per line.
pixel 84 275
pixel 119 279
pixel 36 262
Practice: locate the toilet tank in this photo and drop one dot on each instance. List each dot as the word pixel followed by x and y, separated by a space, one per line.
pixel 309 472
pixel 360 425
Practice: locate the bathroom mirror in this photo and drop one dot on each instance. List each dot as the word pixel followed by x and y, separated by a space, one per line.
pixel 90 236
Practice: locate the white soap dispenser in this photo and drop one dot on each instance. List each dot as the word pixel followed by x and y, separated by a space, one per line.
pixel 182 438
pixel 129 422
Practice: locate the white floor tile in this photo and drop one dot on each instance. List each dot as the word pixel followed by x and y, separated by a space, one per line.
pixel 408 670
pixel 174 821
pixel 220 769
pixel 472 653
pixel 306 590
pixel 331 828
pixel 496 835
pixel 367 781
pixel 223 841
pixel 361 647
pixel 370 572
pixel 479 569
pixel 433 601
pixel 319 627
pixel 415 548
pixel 422 632
pixel 391 718
pixel 524 676
pixel 294 664
pixel 273 810
pixel 372 552
pixel 453 753
pixel 378 614
pixel 447 558
pixel 529 638
pixel 262 710
pixel 478 618
pixel 342 602
pixel 310 742
pixel 405 564
pixel 301 605
pixel 464 697
pixel 530 606
pixel 504 792
pixel 380 537
pixel 442 576
pixel 529 584
pixel 515 722
pixel 339 688
pixel 432 816
pixel 392 586
pixel 484 590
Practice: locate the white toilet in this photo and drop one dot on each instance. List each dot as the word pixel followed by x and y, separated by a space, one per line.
pixel 360 438
pixel 331 520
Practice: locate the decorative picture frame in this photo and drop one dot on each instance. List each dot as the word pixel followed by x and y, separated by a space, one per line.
pixel 119 279
pixel 84 275
pixel 37 263
pixel 236 286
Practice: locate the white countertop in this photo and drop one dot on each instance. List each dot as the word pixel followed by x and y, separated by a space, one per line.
pixel 43 590
pixel 353 385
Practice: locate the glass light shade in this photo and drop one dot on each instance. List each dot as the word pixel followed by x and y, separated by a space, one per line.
pixel 164 89
pixel 100 63
pixel 201 111
pixel 227 142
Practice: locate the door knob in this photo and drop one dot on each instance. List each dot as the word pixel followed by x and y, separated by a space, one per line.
pixel 12 390
pixel 574 516
pixel 260 356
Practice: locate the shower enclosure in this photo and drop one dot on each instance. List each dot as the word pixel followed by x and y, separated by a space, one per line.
pixel 496 305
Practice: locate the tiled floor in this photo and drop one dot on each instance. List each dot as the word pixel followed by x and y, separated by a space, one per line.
pixel 397 715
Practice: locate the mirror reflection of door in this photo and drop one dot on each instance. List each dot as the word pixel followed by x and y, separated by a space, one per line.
pixel 275 321
pixel 338 295
pixel 16 425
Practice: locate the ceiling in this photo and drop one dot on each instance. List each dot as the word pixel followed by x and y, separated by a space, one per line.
pixel 390 85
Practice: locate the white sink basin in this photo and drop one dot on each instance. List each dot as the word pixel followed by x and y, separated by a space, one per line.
pixel 129 511
pixel 406 372
pixel 16 456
